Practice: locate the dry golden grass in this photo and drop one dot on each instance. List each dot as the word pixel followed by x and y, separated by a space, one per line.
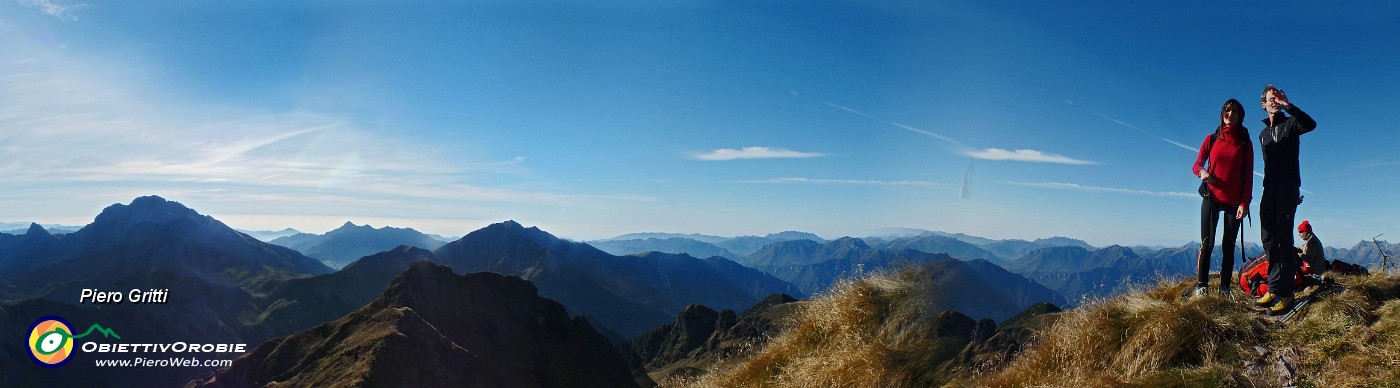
pixel 1347 337
pixel 862 334
pixel 867 334
pixel 1351 339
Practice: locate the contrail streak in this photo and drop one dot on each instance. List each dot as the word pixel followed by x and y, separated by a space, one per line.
pixel 1120 122
pixel 909 128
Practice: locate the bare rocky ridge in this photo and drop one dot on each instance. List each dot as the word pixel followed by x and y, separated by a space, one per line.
pixel 700 337
pixel 434 328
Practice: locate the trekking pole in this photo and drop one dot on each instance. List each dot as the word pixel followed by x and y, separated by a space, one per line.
pixel 1242 260
pixel 1385 257
pixel 1250 218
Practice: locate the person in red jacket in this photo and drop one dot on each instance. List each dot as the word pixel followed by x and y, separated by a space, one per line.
pixel 1229 178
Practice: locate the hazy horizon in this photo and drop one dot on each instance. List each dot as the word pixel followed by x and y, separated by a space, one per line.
pixel 890 231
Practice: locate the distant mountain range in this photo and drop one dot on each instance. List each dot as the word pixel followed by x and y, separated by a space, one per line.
pixel 18 228
pixel 688 246
pixel 813 266
pixel 697 245
pixel 1365 253
pixel 976 287
pixel 1014 249
pixel 343 245
pixel 747 245
pixel 1078 273
pixel 1075 273
pixel 627 294
pixel 269 235
pixel 942 244
pixel 662 236
pixel 958 245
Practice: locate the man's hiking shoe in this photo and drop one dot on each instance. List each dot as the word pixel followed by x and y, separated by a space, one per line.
pixel 1200 292
pixel 1265 301
pixel 1284 305
pixel 1226 294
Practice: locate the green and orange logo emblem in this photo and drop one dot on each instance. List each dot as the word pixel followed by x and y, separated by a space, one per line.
pixel 51 340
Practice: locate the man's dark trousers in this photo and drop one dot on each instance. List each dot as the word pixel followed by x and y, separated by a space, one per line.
pixel 1276 211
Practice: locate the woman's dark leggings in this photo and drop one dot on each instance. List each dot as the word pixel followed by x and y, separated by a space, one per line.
pixel 1210 215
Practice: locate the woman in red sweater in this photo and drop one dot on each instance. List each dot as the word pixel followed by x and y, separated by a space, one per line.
pixel 1230 179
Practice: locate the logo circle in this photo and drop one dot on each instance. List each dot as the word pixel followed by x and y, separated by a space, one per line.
pixel 50 341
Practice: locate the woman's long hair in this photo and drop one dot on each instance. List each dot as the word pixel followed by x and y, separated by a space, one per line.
pixel 1241 133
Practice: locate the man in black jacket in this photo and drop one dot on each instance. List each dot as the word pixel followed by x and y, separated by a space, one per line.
pixel 1279 140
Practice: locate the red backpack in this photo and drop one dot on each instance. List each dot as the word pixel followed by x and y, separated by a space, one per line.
pixel 1254 276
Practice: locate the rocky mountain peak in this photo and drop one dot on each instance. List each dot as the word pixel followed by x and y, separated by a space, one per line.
pixel 849 242
pixel 36 231
pixel 351 225
pixel 499 232
pixel 1118 250
pixel 145 209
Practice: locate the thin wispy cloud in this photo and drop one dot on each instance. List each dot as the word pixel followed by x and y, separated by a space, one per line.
pixel 55 9
pixel 819 181
pixel 723 154
pixel 236 149
pixel 1079 187
pixel 1023 156
pixel 1140 130
pixel 74 126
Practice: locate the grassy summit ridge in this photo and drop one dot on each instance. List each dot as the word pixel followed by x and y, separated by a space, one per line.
pixel 877 332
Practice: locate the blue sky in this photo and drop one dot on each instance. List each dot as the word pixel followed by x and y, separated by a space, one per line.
pixel 999 119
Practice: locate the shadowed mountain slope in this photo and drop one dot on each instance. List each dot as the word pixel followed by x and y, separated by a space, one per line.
pixel 432 327
pixel 149 234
